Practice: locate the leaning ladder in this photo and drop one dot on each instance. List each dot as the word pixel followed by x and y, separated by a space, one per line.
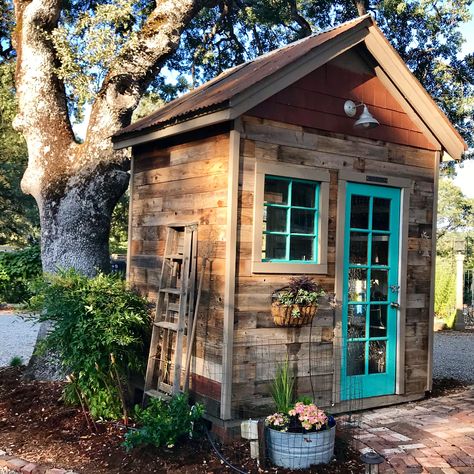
pixel 174 312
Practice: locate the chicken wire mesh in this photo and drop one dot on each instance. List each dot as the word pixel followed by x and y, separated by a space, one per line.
pixel 315 365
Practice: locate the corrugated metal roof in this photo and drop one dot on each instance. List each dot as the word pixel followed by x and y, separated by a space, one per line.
pixel 217 93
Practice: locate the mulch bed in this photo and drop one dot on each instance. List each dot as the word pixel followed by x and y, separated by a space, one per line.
pixel 36 425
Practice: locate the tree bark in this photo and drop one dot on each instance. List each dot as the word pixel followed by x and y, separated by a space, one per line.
pixel 362 6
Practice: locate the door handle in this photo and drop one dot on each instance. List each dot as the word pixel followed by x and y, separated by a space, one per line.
pixel 395 305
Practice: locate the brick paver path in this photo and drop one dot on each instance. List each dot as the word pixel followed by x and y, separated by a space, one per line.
pixel 435 435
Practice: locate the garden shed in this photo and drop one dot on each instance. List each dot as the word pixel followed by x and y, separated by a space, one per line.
pixel 320 158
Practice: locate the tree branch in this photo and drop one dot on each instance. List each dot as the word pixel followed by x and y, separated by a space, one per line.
pixel 42 116
pixel 136 66
pixel 305 27
pixel 362 6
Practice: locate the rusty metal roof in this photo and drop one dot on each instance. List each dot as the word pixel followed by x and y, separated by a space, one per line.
pixel 218 93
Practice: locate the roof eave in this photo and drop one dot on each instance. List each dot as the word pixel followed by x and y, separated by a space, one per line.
pixel 414 93
pixel 189 125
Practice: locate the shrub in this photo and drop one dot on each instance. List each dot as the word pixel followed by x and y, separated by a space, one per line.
pixel 163 423
pixel 17 270
pixel 16 361
pixel 100 330
pixel 445 290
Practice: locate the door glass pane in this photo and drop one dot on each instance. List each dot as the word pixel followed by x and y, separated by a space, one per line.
pixel 377 357
pixel 274 247
pixel 378 320
pixel 303 194
pixel 301 248
pixel 379 285
pixel 356 358
pixel 302 222
pixel 356 321
pixel 380 249
pixel 276 191
pixel 381 214
pixel 358 248
pixel 275 219
pixel 357 284
pixel 360 212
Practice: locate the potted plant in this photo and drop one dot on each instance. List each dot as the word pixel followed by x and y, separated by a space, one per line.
pixel 297 303
pixel 297 435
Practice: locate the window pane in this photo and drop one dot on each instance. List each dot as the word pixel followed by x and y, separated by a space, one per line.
pixel 379 285
pixel 303 194
pixel 378 320
pixel 357 284
pixel 381 214
pixel 302 222
pixel 301 248
pixel 360 212
pixel 380 249
pixel 356 358
pixel 358 248
pixel 274 247
pixel 356 321
pixel 377 357
pixel 275 219
pixel 276 191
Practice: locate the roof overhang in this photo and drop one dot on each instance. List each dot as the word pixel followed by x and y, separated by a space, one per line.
pixel 412 94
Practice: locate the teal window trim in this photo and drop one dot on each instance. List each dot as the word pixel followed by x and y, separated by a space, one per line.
pixel 289 208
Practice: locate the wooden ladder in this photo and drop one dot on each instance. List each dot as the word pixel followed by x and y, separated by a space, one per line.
pixel 174 312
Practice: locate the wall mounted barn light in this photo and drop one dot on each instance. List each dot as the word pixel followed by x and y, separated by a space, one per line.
pixel 366 119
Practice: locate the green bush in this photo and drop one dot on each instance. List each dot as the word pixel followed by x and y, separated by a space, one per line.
pixel 163 423
pixel 17 270
pixel 16 361
pixel 100 331
pixel 445 290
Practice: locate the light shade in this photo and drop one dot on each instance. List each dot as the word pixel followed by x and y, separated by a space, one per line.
pixel 366 120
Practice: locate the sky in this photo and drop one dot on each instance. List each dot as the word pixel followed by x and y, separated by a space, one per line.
pixel 465 173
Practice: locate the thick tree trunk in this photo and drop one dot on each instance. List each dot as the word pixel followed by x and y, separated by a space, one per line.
pixel 75 226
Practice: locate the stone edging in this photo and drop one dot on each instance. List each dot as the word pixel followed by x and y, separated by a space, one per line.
pixel 14 464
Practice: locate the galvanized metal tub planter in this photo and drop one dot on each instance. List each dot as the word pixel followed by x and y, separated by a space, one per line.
pixel 300 450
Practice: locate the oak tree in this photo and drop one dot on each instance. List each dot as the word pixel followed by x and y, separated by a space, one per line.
pixel 108 54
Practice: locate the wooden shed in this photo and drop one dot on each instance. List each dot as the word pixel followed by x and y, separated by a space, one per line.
pixel 278 181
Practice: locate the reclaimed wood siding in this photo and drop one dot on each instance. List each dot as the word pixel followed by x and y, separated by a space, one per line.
pixel 258 344
pixel 184 184
pixel 317 101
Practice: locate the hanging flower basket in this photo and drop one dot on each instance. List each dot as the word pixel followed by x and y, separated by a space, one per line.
pixel 297 303
pixel 293 315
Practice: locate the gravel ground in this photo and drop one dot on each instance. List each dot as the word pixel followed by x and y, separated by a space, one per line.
pixel 17 337
pixel 454 355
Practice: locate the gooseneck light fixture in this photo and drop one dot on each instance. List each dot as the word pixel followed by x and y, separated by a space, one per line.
pixel 366 119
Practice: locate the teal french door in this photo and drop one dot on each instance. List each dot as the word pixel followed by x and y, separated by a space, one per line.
pixel 370 291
